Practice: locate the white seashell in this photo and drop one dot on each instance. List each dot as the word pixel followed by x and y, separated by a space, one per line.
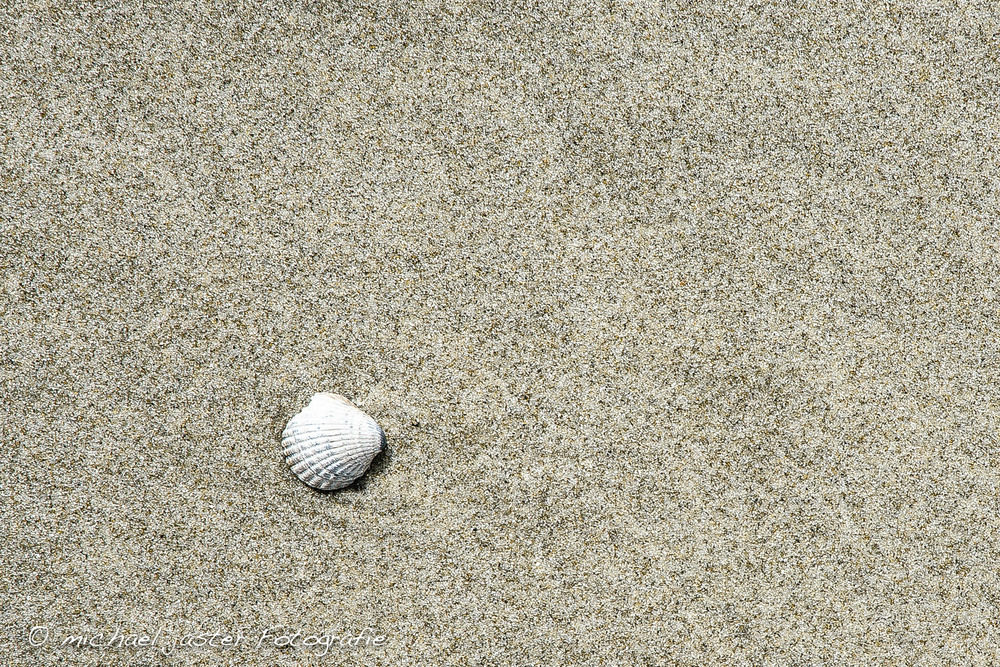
pixel 331 442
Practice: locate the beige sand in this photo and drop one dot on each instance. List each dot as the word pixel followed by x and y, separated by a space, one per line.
pixel 680 318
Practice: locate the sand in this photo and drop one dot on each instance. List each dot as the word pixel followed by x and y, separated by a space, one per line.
pixel 680 319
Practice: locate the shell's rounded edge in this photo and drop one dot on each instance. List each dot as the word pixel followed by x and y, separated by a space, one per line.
pixel 331 442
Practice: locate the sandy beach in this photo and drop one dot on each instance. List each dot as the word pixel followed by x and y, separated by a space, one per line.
pixel 680 319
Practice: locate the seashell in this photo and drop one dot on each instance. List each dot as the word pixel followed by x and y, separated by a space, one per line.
pixel 331 442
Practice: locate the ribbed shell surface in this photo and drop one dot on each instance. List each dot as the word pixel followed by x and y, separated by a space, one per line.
pixel 331 442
